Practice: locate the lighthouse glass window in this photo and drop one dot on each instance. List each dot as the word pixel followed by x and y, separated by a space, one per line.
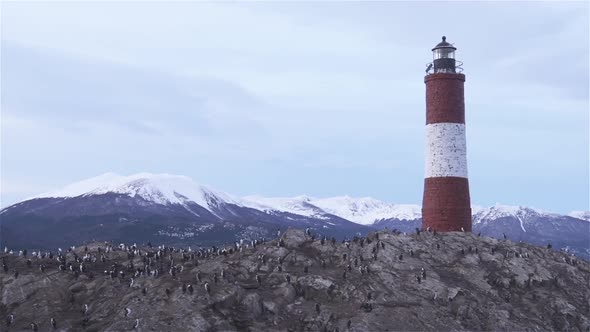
pixel 444 53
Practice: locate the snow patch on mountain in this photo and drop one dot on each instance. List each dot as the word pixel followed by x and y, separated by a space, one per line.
pixel 300 205
pixel 584 215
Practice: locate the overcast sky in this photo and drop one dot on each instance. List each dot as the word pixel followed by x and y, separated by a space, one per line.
pixel 282 99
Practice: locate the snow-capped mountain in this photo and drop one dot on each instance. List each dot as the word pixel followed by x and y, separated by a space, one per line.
pixel 158 207
pixel 367 210
pixel 364 211
pixel 162 189
pixel 534 226
pixel 523 214
pixel 172 208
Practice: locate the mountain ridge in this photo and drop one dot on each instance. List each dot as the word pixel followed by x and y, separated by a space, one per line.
pixel 175 210
pixel 177 189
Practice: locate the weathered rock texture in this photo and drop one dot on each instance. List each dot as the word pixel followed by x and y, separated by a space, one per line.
pixel 469 283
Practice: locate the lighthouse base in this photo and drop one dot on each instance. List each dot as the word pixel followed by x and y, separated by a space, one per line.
pixel 446 204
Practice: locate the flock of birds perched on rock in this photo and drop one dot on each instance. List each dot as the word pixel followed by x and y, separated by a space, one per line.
pixel 315 268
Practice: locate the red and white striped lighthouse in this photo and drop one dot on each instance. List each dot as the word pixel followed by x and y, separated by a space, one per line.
pixel 446 205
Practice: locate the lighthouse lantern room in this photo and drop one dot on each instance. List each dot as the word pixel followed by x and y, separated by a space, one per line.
pixel 444 57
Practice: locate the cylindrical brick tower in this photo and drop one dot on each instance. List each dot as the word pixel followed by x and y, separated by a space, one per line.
pixel 446 205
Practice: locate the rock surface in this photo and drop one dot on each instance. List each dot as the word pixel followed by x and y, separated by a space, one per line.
pixel 374 283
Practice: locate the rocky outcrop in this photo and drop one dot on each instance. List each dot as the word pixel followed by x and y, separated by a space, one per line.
pixel 382 282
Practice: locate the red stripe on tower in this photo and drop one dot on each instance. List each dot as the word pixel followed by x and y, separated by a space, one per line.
pixel 446 204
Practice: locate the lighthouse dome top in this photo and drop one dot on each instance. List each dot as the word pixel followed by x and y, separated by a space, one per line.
pixel 444 45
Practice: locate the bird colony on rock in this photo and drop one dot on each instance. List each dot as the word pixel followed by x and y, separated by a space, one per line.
pixel 302 281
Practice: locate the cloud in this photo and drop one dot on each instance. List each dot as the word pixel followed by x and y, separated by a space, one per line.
pixel 320 98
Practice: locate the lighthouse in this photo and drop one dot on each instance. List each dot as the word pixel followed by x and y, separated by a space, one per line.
pixel 446 204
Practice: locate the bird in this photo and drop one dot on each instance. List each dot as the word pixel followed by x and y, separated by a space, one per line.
pixel 423 273
pixel 349 324
pixel 190 289
pixel 34 327
pixel 317 308
pixel 85 309
pixel 401 257
pixel 288 277
pixel 136 324
pixel 9 319
pixel 127 312
pixel 429 67
pixel 207 288
pixel 462 229
pixel 53 323
pixel 504 235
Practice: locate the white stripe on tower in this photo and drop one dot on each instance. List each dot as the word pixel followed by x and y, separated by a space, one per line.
pixel 446 152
